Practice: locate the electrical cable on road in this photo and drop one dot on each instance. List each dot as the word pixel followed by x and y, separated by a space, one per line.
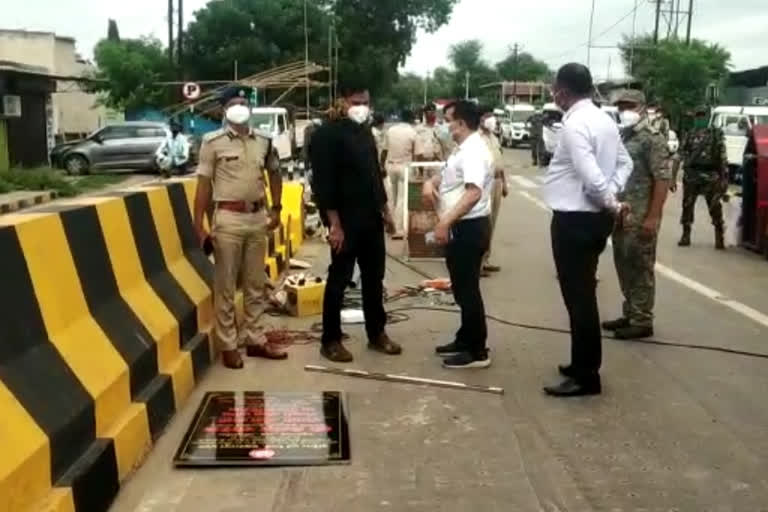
pixel 558 330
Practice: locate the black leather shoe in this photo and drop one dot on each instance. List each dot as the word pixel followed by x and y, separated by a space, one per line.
pixel 634 332
pixel 613 325
pixel 570 387
pixel 566 371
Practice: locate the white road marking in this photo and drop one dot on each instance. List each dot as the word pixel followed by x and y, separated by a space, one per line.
pixel 523 181
pixel 535 200
pixel 691 284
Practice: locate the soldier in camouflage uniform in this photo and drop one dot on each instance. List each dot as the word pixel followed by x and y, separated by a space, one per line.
pixel 705 172
pixel 635 236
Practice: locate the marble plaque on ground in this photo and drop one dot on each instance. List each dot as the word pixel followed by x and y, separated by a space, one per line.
pixel 256 428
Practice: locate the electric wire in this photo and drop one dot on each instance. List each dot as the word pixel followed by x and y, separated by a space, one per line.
pixel 545 328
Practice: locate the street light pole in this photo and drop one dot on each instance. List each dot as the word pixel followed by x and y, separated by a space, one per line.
pixel 306 54
pixel 466 85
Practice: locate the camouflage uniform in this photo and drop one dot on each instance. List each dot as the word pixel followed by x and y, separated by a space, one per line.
pixel 634 253
pixel 704 159
pixel 537 140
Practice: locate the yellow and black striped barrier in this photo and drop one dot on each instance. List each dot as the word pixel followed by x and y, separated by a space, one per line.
pixel 105 308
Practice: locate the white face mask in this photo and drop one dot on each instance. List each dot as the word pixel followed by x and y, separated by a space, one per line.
pixel 629 118
pixel 359 113
pixel 490 124
pixel 238 114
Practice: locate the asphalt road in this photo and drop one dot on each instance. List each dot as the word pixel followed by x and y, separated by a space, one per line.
pixel 677 429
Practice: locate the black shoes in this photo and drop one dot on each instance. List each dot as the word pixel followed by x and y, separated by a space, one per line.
pixel 614 325
pixel 466 360
pixel 449 350
pixel 634 332
pixel 571 388
pixel 685 239
pixel 566 371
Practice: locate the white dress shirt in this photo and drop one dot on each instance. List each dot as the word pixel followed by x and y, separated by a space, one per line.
pixel 590 165
pixel 470 164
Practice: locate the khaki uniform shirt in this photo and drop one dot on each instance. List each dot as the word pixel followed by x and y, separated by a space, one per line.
pixel 235 165
pixel 399 141
pixel 427 146
pixel 495 148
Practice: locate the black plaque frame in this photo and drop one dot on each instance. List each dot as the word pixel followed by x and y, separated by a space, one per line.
pixel 205 444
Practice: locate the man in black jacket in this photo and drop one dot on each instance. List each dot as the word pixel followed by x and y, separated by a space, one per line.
pixel 350 195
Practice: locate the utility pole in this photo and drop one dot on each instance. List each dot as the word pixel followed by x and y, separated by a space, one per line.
pixel 658 20
pixel 632 44
pixel 426 87
pixel 466 85
pixel 690 22
pixel 170 31
pixel 180 40
pixel 306 54
pixel 236 70
pixel 515 60
pixel 589 39
pixel 330 65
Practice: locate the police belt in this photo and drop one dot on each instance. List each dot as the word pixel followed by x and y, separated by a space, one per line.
pixel 241 206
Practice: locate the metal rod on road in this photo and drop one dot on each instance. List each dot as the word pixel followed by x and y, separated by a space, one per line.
pixel 362 374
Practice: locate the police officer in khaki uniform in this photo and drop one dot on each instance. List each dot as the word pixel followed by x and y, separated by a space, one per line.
pixel 499 190
pixel 231 174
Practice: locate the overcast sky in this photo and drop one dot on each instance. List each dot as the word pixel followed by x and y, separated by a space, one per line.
pixel 553 30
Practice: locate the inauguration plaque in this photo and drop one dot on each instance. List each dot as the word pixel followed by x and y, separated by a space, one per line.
pixel 255 428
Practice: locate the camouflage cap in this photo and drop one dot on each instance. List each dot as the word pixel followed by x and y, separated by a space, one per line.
pixel 631 96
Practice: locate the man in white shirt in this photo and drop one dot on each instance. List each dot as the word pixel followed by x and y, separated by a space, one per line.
pixel 173 153
pixel 589 168
pixel 461 194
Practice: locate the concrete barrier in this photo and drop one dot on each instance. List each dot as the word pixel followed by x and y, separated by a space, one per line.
pixel 106 309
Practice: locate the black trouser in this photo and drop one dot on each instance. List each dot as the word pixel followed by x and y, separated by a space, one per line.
pixel 464 258
pixel 364 245
pixel 578 238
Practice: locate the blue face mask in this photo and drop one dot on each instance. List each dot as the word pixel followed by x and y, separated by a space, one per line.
pixel 444 131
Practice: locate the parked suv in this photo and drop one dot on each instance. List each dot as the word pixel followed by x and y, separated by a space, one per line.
pixel 129 145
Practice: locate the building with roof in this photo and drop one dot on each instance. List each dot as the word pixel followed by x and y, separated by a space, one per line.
pixel 26 131
pixel 749 87
pixel 75 112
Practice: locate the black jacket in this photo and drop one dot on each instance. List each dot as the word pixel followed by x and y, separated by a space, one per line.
pixel 347 175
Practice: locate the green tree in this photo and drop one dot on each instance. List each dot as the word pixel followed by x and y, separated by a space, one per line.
pixel 524 68
pixel 377 36
pixel 674 73
pixel 374 36
pixel 441 83
pixel 468 63
pixel 128 71
pixel 258 34
pixel 112 33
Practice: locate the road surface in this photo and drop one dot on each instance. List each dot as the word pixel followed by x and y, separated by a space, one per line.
pixel 676 429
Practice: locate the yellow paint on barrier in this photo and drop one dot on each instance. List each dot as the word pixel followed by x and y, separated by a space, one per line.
pixel 132 439
pixel 59 500
pixel 76 335
pixel 25 467
pixel 135 290
pixel 185 274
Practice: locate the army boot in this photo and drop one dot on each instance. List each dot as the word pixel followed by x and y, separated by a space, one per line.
pixel 685 240
pixel 719 239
